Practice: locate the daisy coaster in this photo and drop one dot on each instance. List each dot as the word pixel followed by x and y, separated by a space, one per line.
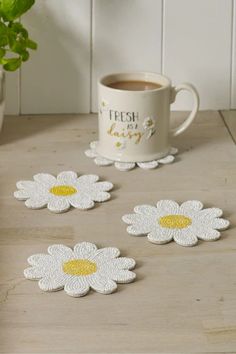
pixel 185 223
pixel 59 193
pixel 127 166
pixel 78 270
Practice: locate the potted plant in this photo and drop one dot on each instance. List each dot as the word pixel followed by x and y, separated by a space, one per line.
pixel 14 41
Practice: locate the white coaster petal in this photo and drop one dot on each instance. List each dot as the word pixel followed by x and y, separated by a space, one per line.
pixel 103 186
pixel 106 253
pixel 40 260
pixel 167 159
pixel 127 166
pixel 87 180
pixel 35 202
pixel 123 276
pixel 146 209
pixel 91 153
pixel 219 224
pixel 167 206
pixel 148 165
pixel 186 239
pixel 54 281
pixel 209 213
pixel 160 237
pixel 101 196
pixel 34 273
pixel 93 145
pixel 208 234
pixel 84 249
pixel 124 166
pixel 139 230
pixel 60 251
pixel 102 285
pixel 185 223
pixel 59 193
pixel 45 179
pixel 191 205
pixel 83 202
pixel 26 185
pixel 80 269
pixel 59 205
pixel 102 161
pixel 124 263
pixel 77 287
pixel 66 177
pixel 173 151
pixel 22 194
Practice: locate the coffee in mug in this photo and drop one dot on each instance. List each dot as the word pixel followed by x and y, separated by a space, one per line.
pixel 134 85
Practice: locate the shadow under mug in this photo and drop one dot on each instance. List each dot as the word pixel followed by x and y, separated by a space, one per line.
pixel 134 126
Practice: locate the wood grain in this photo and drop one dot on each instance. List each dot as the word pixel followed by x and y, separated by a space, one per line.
pixel 184 298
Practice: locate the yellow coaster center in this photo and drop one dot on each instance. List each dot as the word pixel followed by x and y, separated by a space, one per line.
pixel 175 221
pixel 63 190
pixel 79 267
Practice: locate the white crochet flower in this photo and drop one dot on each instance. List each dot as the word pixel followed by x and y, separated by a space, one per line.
pixel 120 144
pixel 61 192
pixel 184 224
pixel 80 269
pixel 127 166
pixel 104 103
pixel 149 126
pixel 104 106
pixel 149 123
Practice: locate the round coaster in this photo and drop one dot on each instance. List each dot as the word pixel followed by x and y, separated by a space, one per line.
pixel 59 193
pixel 185 223
pixel 127 166
pixel 78 270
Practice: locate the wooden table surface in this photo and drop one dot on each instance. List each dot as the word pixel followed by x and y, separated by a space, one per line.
pixel 184 299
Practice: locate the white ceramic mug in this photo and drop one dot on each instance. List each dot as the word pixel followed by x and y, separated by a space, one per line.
pixel 134 126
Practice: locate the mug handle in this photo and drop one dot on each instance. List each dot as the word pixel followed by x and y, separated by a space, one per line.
pixel 188 87
pixel 2 86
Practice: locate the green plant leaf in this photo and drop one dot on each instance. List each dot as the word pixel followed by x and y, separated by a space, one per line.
pixel 3 28
pixel 2 52
pixel 11 38
pixel 14 38
pixel 18 28
pixel 12 64
pixel 3 40
pixel 31 44
pixel 25 55
pixel 18 47
pixel 13 9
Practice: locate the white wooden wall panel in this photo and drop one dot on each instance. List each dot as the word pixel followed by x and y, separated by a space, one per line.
pixel 126 36
pixel 233 91
pixel 197 48
pixel 189 40
pixel 57 77
pixel 12 93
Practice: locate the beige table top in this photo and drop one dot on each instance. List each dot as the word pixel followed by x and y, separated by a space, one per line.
pixel 184 299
